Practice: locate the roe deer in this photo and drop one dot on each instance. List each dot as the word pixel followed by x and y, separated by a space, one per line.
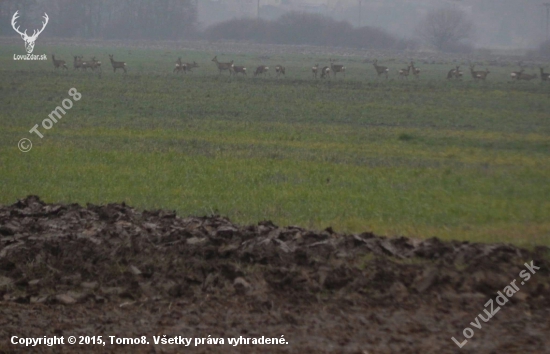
pixel 526 77
pixel 190 66
pixel 404 73
pixel 380 69
pixel 92 64
pixel 515 74
pixel 458 73
pixel 325 71
pixel 223 66
pixel 59 63
pixel 117 64
pixel 85 65
pixel 179 67
pixel 479 75
pixel 336 68
pixel 77 62
pixel 415 71
pixel 454 73
pixel 238 69
pixel 262 69
pixel 314 70
pixel 451 74
pixel 280 70
pixel 95 64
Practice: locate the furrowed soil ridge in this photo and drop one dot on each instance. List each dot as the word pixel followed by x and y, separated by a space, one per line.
pixel 67 269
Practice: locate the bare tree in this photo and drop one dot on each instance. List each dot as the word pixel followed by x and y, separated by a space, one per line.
pixel 445 27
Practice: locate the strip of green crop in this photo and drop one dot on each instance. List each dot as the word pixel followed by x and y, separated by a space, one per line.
pixel 422 158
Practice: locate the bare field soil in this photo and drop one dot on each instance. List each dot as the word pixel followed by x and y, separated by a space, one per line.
pixel 115 271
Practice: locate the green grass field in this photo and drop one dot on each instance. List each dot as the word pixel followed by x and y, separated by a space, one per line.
pixel 420 158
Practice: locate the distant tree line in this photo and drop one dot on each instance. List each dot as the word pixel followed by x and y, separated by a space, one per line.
pixel 446 29
pixel 108 19
pixel 177 19
pixel 304 28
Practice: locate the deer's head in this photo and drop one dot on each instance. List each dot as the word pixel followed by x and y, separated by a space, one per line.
pixel 29 40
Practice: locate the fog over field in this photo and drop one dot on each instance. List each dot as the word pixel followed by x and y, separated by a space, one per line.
pixel 497 23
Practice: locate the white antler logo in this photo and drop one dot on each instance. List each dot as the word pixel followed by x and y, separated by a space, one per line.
pixel 29 40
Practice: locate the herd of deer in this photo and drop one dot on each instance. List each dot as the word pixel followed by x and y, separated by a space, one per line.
pixel 515 75
pixel 80 64
pixel 456 73
pixel 94 64
pixel 520 75
pixel 184 67
pixel 326 70
pixel 238 69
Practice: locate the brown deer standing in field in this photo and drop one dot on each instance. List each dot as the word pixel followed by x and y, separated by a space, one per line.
pixel 117 64
pixel 454 73
pixel 223 66
pixel 95 64
pixel 179 67
pixel 514 74
pixel 325 71
pixel 478 75
pixel 380 69
pixel 59 63
pixel 85 65
pixel 280 70
pixel 262 69
pixel 190 66
pixel 314 70
pixel 185 67
pixel 404 73
pixel 544 76
pixel 336 68
pixel 416 71
pixel 77 62
pixel 81 64
pixel 238 69
pixel 526 77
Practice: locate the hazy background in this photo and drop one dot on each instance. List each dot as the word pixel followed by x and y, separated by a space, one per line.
pixel 498 23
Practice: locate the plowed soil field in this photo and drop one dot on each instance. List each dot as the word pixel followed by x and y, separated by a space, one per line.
pixel 115 271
